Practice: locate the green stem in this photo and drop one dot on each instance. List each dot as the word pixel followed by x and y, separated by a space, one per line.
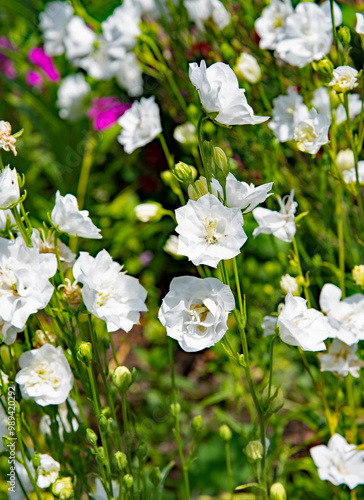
pixel 166 152
pixel 24 461
pixel 340 235
pixel 87 161
pixel 326 406
pixel 21 227
pixel 126 429
pixel 271 364
pixel 351 402
pixel 228 469
pixel 59 263
pixel 305 288
pixel 334 32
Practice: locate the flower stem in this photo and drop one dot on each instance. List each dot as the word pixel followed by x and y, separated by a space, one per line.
pixel 126 428
pixel 228 469
pixel 21 227
pixel 351 402
pixel 305 288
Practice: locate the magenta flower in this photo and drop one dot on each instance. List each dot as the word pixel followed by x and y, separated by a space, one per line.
pixel 34 79
pixel 7 65
pixel 105 111
pixel 39 58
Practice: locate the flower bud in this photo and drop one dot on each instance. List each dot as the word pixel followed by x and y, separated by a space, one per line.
pixel 100 455
pixel 225 432
pixel 220 164
pixel 121 378
pixel 254 451
pixel 40 338
pixel 275 401
pixel 175 409
pixel 197 423
pixel 155 476
pixel 91 437
pixel 63 488
pixel 289 284
pixel 183 172
pixel 324 66
pixel 344 34
pixel 358 275
pixel 7 441
pixel 84 352
pixel 71 293
pixel 9 187
pixel 197 189
pixel 102 422
pixel 186 134
pixel 146 212
pixel 128 481
pixel 277 492
pixel 121 460
pixel 36 460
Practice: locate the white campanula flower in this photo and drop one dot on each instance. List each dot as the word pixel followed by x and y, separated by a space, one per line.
pixel 46 245
pixel 71 96
pixel 62 419
pixel 341 359
pixel 220 15
pixel 247 67
pixel 287 112
pixel 45 375
pixel 219 92
pixel 339 462
pixel 9 187
pixel 79 39
pixel 24 284
pixel 122 28
pixel 299 326
pixel 209 231
pixel 129 74
pixel 350 174
pixel 47 471
pixel 171 245
pixel 281 224
pixel 186 134
pixel 63 488
pixel 7 141
pixel 99 63
pixel 345 159
pixel 322 103
pixel 140 124
pixel 108 293
pixel 146 212
pixel 53 23
pixel 312 133
pixel 67 218
pixel 270 25
pixel 195 311
pixel 359 28
pixel 269 325
pixel 100 493
pixel 345 318
pixel 201 10
pixel 241 194
pixel 344 79
pixel 289 284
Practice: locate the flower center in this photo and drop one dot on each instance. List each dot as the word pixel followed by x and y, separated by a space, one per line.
pixel 198 313
pixel 8 285
pixel 304 133
pixel 211 234
pixel 43 374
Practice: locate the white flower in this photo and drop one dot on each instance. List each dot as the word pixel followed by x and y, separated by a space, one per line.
pixel 22 473
pixel 45 375
pixel 220 15
pixel 270 25
pixel 312 133
pixel 140 124
pixel 355 104
pixel 79 39
pixel 171 245
pixel 344 79
pixel 339 462
pixel 129 74
pixel 359 28
pixel 7 141
pixel 146 212
pixel 345 318
pixel 345 159
pixel 341 359
pixel 46 245
pixel 195 311
pixel 186 134
pixel 108 293
pixel 208 231
pixel 299 326
pixel 247 67
pixel 67 218
pixel 287 112
pixel 9 187
pixel 62 419
pixel 241 194
pixel 100 493
pixel 24 285
pixel 269 325
pixel 53 22
pixel 47 471
pixel 219 92
pixel 281 224
pixel 63 488
pixel 350 174
pixel 289 284
pixel 122 28
pixel 71 95
pixel 100 64
pixel 200 10
pixel 321 101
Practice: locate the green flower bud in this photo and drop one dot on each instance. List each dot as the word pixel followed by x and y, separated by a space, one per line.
pixel 63 488
pixel 91 437
pixel 36 460
pixel 225 432
pixel 276 400
pixel 197 423
pixel 155 476
pixel 221 168
pixel 175 409
pixel 227 52
pixel 102 422
pixel 197 189
pixel 324 66
pixel 128 481
pixel 121 378
pixel 121 460
pixel 254 451
pixel 84 352
pixel 100 455
pixel 277 492
pixel 7 441
pixel 183 172
pixel 344 34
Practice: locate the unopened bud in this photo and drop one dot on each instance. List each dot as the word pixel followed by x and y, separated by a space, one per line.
pixel 324 66
pixel 197 189
pixel 155 476
pixel 183 172
pixel 91 437
pixel 121 378
pixel 254 451
pixel 100 455
pixel 63 488
pixel 120 460
pixel 84 352
pixel 40 338
pixel 103 422
pixel 71 293
pixel 344 34
pixel 221 164
pixel 277 492
pixel 197 423
pixel 128 481
pixel 275 401
pixel 146 212
pixel 36 460
pixel 225 432
pixel 175 409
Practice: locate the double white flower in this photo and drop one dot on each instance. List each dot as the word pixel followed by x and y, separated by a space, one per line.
pixel 341 359
pixel 71 95
pixel 9 187
pixel 195 311
pixel 312 133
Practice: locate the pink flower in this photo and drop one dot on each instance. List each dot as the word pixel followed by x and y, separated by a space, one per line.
pixel 7 66
pixel 34 79
pixel 39 58
pixel 105 111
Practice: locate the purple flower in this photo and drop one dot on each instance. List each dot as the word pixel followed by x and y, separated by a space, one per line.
pixel 7 66
pixel 39 58
pixel 105 111
pixel 34 79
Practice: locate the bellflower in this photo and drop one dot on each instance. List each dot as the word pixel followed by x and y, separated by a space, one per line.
pixel 270 25
pixel 219 92
pixel 109 293
pixel 350 174
pixel 67 218
pixel 121 29
pixel 45 375
pixel 281 224
pixel 312 133
pixel 71 95
pixel 289 284
pixel 105 111
pixel 201 10
pixel 345 318
pixel 359 28
pixel 129 74
pixel 140 124
pixel 79 40
pixel 7 141
pixel 247 67
pixel 9 187
pixel 209 231
pixel 341 359
pixel 287 112
pixel 299 326
pixel 53 22
pixel 100 493
pixel 355 104
pixel 344 79
pixel 339 462
pixel 46 245
pixel 99 63
pixel 39 58
pixel 195 311
pixel 47 471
